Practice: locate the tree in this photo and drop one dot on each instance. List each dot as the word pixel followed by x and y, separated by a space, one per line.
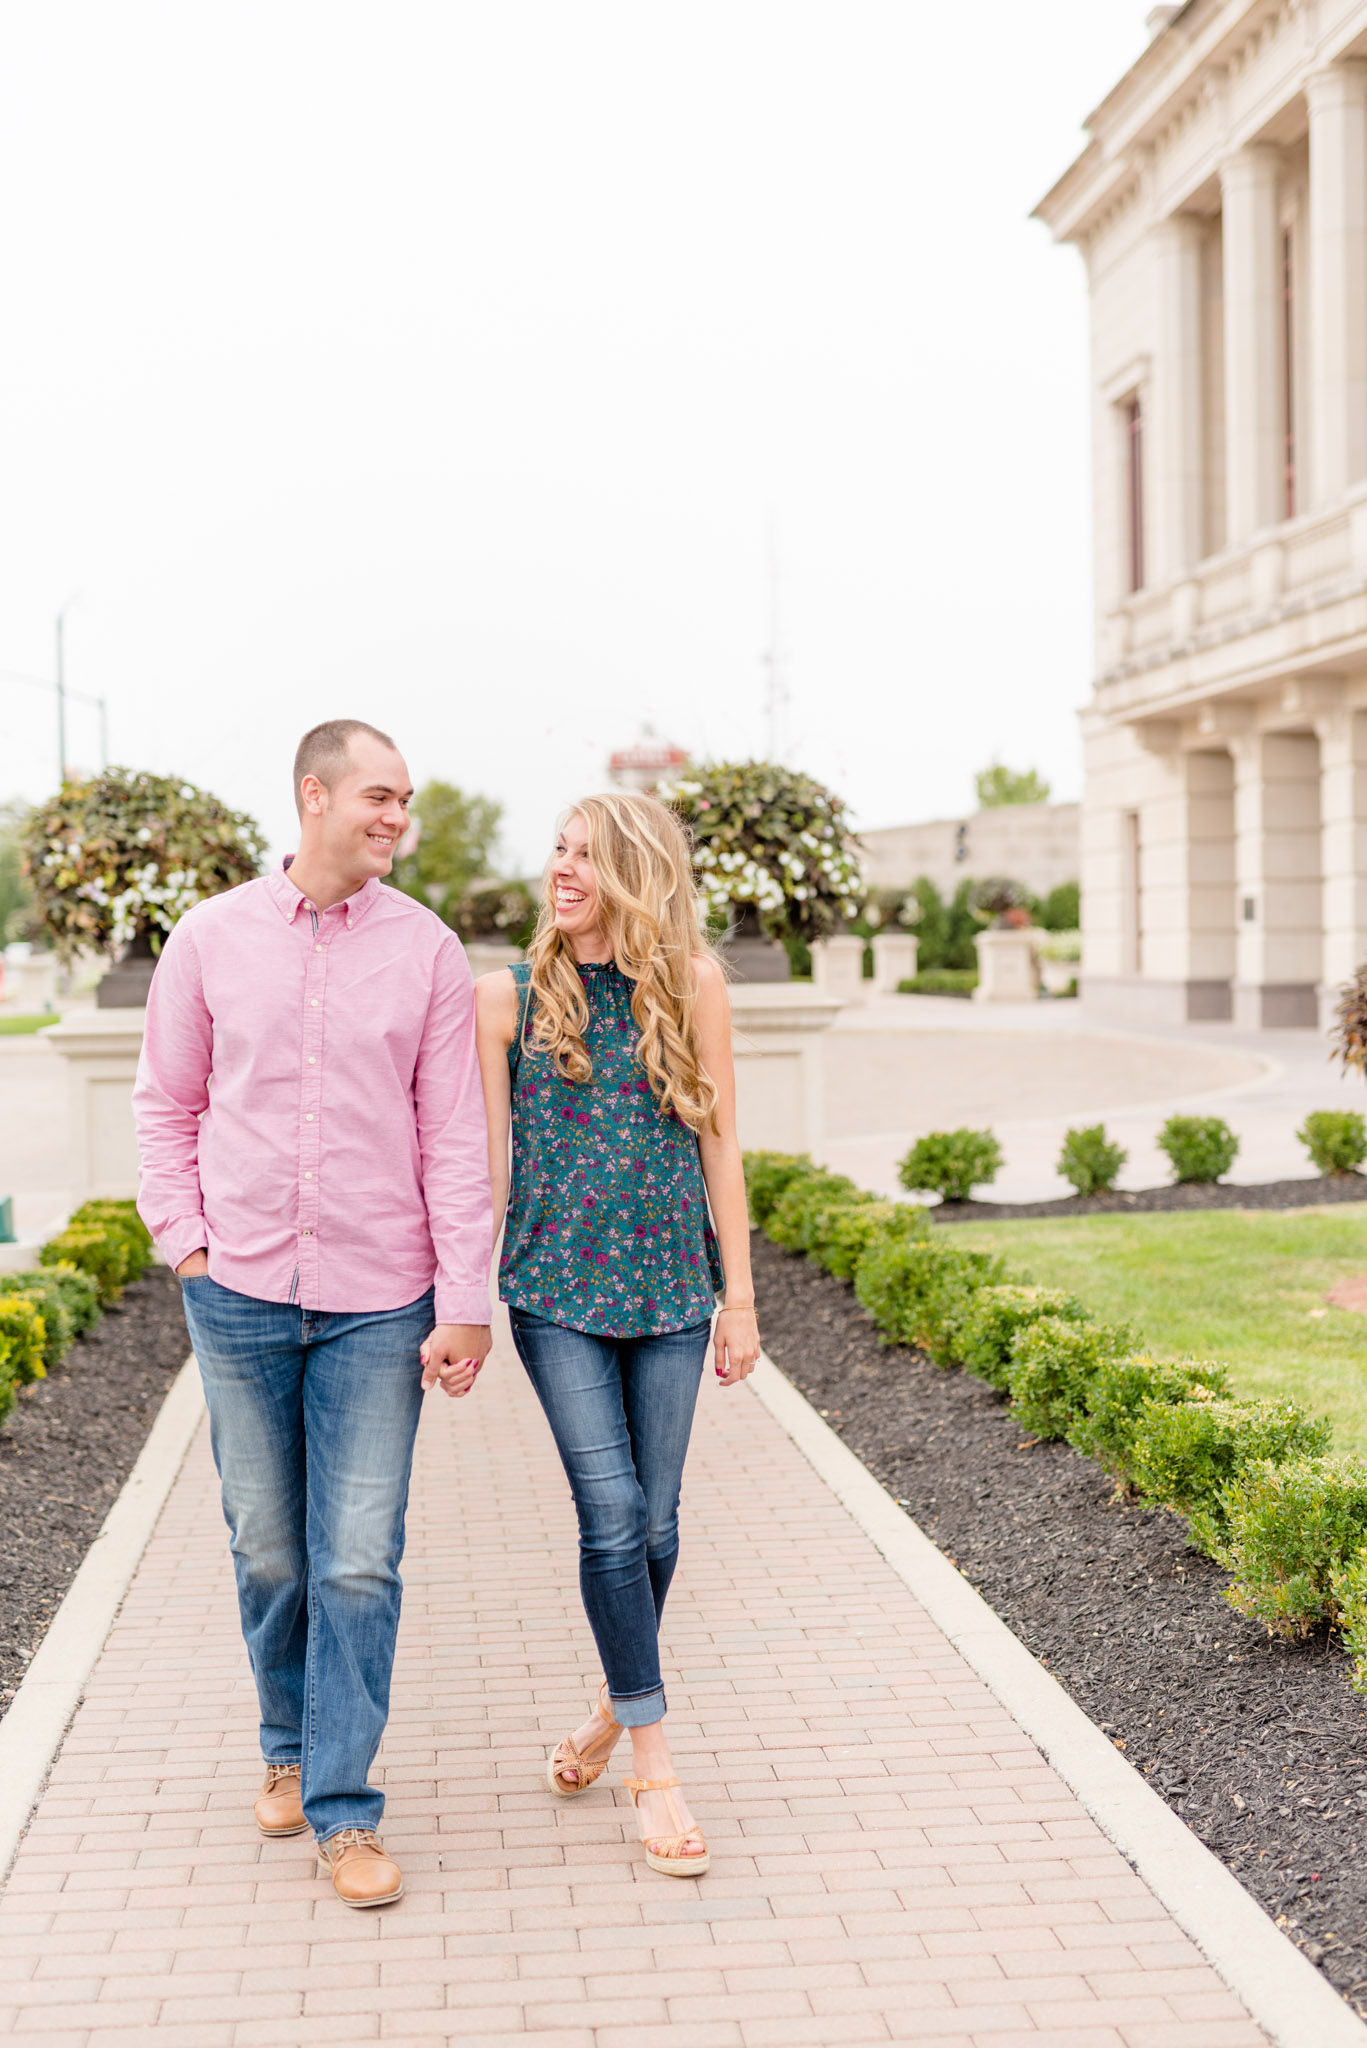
pixel 998 786
pixel 455 846
pixel 16 894
pixel 771 839
pixel 120 858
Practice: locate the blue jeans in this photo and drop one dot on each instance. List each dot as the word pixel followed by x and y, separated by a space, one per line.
pixel 312 1419
pixel 621 1411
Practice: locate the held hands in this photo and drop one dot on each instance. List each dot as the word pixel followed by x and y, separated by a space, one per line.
pixel 454 1354
pixel 735 1345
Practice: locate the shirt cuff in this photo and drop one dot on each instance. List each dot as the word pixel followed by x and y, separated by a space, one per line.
pixel 187 1234
pixel 462 1305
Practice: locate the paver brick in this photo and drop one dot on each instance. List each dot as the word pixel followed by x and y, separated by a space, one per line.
pixel 892 1859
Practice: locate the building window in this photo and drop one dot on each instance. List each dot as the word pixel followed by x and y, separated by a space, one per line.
pixel 1134 452
pixel 1288 378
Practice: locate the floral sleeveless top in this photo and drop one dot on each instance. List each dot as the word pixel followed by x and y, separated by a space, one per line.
pixel 608 1230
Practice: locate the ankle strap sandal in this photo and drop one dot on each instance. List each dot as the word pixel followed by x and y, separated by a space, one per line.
pixel 588 1764
pixel 666 1853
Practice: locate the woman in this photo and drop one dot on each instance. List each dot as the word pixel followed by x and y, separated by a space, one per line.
pixel 608 1053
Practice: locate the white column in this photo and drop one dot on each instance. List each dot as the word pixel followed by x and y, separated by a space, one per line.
pixel 1337 99
pixel 1278 889
pixel 776 1034
pixel 1178 436
pixel 1343 829
pixel 101 1048
pixel 1253 393
pixel 838 967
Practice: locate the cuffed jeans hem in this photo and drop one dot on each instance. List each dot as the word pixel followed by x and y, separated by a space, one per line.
pixel 369 1827
pixel 641 1712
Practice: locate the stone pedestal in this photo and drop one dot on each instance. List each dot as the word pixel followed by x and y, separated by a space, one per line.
pixel 1006 967
pixel 776 1041
pixel 486 956
pixel 101 1050
pixel 894 960
pixel 838 968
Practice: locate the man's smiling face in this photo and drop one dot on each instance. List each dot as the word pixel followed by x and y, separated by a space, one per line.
pixel 364 815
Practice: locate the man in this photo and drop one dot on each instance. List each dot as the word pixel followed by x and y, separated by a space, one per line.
pixel 314 1157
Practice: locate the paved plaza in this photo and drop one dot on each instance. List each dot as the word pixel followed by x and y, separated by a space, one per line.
pixel 898 1066
pixel 891 1858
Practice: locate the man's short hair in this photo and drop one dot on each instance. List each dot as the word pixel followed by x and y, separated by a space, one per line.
pixel 325 751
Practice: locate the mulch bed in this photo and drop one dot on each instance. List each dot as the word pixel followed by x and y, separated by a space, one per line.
pixel 68 1445
pixel 1260 1745
pixel 1205 1194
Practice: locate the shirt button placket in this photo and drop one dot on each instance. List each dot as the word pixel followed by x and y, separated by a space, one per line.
pixel 310 1115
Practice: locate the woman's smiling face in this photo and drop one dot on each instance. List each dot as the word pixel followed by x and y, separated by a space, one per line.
pixel 576 886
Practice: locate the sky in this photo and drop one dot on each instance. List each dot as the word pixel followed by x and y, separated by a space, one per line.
pixel 501 374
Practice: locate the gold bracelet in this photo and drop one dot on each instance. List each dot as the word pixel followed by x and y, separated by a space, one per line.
pixel 735 1304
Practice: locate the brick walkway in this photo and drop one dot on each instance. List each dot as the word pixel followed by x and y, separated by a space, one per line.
pixel 891 1859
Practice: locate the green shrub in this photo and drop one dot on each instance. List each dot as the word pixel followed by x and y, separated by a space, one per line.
pixel 1118 1390
pixel 1336 1139
pixel 23 1334
pixel 7 1379
pixel 1052 1366
pixel 951 1163
pixel 796 1217
pixel 44 1290
pixel 103 1254
pixel 1293 1528
pixel 78 1294
pixel 1090 1161
pixel 1349 1588
pixel 993 1318
pixel 1184 1456
pixel 768 1175
pixel 915 1289
pixel 123 1220
pixel 849 1230
pixel 940 981
pixel 1200 1148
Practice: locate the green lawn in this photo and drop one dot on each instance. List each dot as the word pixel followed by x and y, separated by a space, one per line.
pixel 1243 1286
pixel 10 1027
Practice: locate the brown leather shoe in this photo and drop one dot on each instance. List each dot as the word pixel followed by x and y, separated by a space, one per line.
pixel 279 1809
pixel 362 1875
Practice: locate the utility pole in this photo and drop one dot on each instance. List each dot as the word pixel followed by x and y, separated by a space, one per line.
pixel 61 700
pixel 777 694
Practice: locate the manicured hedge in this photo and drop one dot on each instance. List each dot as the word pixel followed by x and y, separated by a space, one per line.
pixel 81 1270
pixel 1254 1480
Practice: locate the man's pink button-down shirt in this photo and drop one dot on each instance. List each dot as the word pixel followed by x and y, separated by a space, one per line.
pixel 309 1106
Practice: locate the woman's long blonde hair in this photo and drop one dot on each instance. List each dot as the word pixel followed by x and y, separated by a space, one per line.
pixel 648 901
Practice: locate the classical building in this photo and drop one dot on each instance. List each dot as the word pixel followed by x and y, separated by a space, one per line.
pixel 642 765
pixel 1221 207
pixel 1032 843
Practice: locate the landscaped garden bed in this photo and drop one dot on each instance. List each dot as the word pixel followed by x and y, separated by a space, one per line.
pixel 1189 1561
pixel 90 1340
pixel 1259 1743
pixel 1210 1194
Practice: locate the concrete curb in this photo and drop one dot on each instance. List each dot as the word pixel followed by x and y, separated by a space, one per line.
pixel 1284 1992
pixel 32 1731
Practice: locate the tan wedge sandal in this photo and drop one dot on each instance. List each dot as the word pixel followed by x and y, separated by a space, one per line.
pixel 589 1764
pixel 667 1855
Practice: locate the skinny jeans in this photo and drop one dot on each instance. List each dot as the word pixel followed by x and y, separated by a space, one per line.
pixel 621 1412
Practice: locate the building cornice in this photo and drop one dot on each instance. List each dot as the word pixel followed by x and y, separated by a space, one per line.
pixel 1194 64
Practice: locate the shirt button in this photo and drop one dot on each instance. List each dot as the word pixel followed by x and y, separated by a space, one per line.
pixel 312 1061
pixel 309 1118
pixel 317 949
pixel 313 1002
pixel 306 1233
pixel 308 1176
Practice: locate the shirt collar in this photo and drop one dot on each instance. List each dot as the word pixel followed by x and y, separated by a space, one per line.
pixel 289 898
